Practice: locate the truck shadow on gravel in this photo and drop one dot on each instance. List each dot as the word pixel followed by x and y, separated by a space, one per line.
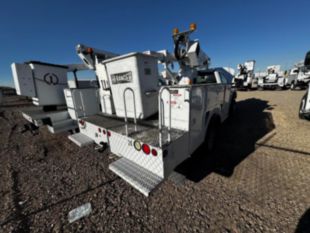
pixel 304 223
pixel 236 141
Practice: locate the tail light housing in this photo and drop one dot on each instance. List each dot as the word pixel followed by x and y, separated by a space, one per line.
pixel 154 152
pixel 146 149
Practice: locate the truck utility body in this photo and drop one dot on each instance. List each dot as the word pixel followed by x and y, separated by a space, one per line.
pixel 153 128
pixel 151 148
pixel 45 83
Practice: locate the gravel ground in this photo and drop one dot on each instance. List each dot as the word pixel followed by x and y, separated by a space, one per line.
pixel 256 181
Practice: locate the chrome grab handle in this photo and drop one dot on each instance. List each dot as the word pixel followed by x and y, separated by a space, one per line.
pixel 161 115
pixel 125 107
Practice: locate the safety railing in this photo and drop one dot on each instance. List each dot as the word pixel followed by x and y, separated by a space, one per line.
pixel 125 108
pixel 162 117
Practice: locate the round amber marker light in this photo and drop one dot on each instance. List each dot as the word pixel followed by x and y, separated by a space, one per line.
pixel 137 145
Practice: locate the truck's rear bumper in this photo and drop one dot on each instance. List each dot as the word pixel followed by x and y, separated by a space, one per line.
pixel 140 178
pixel 57 121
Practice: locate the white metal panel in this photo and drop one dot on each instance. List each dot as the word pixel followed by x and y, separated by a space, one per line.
pixel 140 73
pixel 180 110
pixel 23 80
pixel 177 152
pixel 124 146
pixel 82 102
pixel 106 102
pixel 72 113
pixel 50 82
pixel 91 131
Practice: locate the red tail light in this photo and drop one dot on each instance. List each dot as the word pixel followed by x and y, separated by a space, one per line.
pixel 82 122
pixel 154 152
pixel 146 149
pixel 99 130
pixel 109 133
pixel 103 131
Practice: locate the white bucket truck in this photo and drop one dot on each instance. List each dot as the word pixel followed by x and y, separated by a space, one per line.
pixel 153 128
pixel 245 79
pixel 273 80
pixel 303 78
pixel 45 83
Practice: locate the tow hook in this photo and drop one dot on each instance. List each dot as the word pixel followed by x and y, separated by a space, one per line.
pixel 102 147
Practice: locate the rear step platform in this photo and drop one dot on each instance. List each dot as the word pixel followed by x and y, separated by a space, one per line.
pixel 80 139
pixel 139 177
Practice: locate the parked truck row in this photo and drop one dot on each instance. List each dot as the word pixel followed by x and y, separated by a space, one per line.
pixel 272 79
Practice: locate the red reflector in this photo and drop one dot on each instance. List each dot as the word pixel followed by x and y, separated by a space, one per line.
pixel 146 149
pixel 99 130
pixel 81 122
pixel 103 131
pixel 154 152
pixel 109 133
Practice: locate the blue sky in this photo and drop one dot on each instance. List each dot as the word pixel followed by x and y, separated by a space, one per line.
pixel 270 31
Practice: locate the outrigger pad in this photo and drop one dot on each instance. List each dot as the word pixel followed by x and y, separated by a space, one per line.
pixel 140 178
pixel 80 139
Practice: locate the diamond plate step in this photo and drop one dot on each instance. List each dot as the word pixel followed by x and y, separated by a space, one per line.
pixel 140 178
pixel 62 126
pixel 80 139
